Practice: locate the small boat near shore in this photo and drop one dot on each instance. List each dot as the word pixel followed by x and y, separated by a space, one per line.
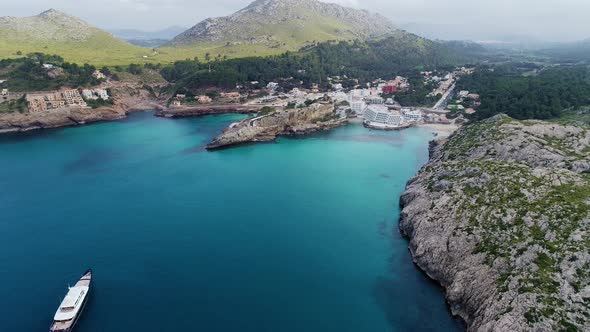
pixel 71 307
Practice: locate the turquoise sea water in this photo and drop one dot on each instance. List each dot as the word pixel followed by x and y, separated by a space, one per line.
pixel 299 235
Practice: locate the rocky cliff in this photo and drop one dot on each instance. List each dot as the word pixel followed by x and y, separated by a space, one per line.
pixel 500 217
pixel 265 128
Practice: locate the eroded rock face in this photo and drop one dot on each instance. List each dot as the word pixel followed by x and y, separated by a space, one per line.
pixel 301 121
pixel 500 217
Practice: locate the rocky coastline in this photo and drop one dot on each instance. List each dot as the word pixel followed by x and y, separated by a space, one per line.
pixel 127 99
pixel 266 128
pixel 500 217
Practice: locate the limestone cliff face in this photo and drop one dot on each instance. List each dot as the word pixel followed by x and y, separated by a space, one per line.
pixel 500 217
pixel 288 122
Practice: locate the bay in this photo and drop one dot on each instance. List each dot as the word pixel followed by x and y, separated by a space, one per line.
pixel 297 235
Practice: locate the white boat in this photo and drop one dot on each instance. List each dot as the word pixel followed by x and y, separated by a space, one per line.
pixel 71 307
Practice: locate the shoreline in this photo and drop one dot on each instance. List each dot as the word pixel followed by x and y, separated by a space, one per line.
pixel 127 99
pixel 440 127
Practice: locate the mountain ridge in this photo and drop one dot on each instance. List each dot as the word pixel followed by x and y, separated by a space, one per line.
pixel 284 25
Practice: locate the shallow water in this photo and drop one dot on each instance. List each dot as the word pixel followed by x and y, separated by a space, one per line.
pixel 298 235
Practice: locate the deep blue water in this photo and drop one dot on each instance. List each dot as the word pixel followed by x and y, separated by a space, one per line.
pixel 298 235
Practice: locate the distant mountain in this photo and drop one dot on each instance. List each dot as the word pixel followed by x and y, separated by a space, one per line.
pixel 134 34
pixel 55 32
pixel 148 38
pixel 275 26
pixel 484 34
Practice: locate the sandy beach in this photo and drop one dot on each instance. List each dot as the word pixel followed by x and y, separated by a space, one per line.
pixel 443 129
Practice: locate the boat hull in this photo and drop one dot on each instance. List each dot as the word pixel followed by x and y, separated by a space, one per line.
pixel 68 326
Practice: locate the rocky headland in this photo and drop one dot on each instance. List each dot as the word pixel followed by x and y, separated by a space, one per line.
pixel 292 122
pixel 500 217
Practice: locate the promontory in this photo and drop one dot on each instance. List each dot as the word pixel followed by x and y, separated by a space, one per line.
pixel 500 217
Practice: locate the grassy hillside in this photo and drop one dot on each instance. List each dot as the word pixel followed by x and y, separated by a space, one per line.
pixel 100 49
pixel 289 36
pixel 53 32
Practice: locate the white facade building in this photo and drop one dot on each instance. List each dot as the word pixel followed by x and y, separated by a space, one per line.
pixel 374 100
pixel 87 94
pixel 379 115
pixel 411 115
pixel 102 94
pixel 358 106
pixel 95 94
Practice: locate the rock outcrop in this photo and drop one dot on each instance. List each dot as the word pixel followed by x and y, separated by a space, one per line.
pixel 500 217
pixel 265 128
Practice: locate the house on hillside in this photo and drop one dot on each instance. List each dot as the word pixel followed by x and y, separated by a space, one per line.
pixel 203 99
pixel 99 75
pixel 388 89
pixel 272 86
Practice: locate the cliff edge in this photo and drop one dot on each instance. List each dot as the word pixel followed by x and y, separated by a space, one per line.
pixel 500 217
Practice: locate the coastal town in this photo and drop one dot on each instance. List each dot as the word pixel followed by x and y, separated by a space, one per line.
pixel 374 104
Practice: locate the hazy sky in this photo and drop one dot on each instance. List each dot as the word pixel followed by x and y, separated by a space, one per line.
pixel 475 19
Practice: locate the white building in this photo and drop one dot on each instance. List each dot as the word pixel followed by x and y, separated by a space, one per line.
pixel 374 100
pixel 358 106
pixel 339 96
pixel 98 75
pixel 411 115
pixel 102 94
pixel 463 93
pixel 379 115
pixel 272 86
pixel 87 94
pixel 95 94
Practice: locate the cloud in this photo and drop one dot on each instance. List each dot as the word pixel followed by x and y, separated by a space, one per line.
pixel 541 19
